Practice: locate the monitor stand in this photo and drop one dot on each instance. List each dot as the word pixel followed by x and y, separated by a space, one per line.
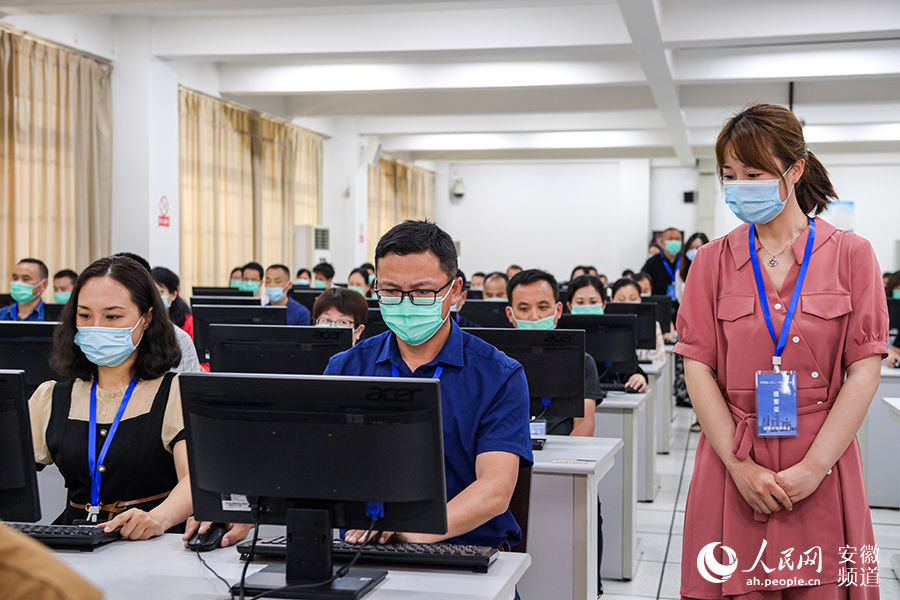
pixel 308 563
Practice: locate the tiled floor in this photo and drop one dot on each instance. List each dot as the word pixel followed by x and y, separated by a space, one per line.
pixel 660 525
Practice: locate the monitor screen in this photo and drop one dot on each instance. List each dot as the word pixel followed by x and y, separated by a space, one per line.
pixel 663 311
pixel 218 291
pixel 305 296
pixel 275 348
pixel 610 339
pixel 894 313
pixel 52 311
pixel 233 315
pixel 26 345
pixel 487 313
pixel 225 301
pixel 374 324
pixel 646 320
pixel 18 479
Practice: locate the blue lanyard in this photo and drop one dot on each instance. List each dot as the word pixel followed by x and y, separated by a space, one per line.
pixel 438 371
pixel 94 461
pixel 669 267
pixel 781 340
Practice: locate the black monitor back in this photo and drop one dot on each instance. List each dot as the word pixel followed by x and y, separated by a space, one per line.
pixel 225 301
pixel 894 313
pixel 317 442
pixel 487 313
pixel 305 296
pixel 231 315
pixel 663 311
pixel 610 339
pixel 275 348
pixel 474 295
pixel 18 479
pixel 646 320
pixel 553 361
pixel 375 324
pixel 218 291
pixel 373 303
pixel 26 345
pixel 5 300
pixel 52 311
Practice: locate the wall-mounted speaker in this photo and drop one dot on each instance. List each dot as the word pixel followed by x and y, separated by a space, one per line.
pixel 689 197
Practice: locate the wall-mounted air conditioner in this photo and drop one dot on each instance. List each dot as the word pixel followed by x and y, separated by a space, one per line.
pixel 312 245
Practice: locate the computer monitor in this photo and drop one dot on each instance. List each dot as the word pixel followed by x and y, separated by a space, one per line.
pixel 5 300
pixel 894 313
pixel 306 297
pixel 18 479
pixel 663 311
pixel 231 315
pixel 646 320
pixel 487 313
pixel 610 339
pixel 218 291
pixel 374 324
pixel 373 303
pixel 225 301
pixel 553 362
pixel 474 295
pixel 26 345
pixel 52 311
pixel 316 453
pixel 275 348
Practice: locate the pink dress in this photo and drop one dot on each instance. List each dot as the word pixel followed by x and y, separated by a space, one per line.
pixel 842 318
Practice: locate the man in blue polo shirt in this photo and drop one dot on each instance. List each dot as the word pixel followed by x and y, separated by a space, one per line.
pixel 278 283
pixel 484 394
pixel 29 280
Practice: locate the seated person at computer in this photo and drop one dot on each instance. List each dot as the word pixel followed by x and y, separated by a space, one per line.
pixel 578 272
pixel 495 287
pixel 169 286
pixel 512 270
pixel 455 313
pixel 341 307
pixel 252 278
pixel 303 278
pixel 278 283
pixel 28 282
pixel 63 282
pixel 645 284
pixel 534 304
pixel 587 296
pixel 477 282
pixel 358 281
pixel 627 291
pixel 113 350
pixel 484 393
pixel 234 280
pixel 323 276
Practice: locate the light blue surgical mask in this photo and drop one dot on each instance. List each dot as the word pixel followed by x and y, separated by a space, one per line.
pixel 496 299
pixel 21 292
pixel 318 284
pixel 413 323
pixel 673 247
pixel 690 254
pixel 545 323
pixel 107 346
pixel 167 300
pixel 755 201
pixel 359 290
pixel 302 282
pixel 61 297
pixel 371 278
pixel 275 294
pixel 587 309
pixel 250 286
pixel 236 284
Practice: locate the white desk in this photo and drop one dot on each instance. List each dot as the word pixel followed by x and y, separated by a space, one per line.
pixel 619 416
pixel 562 521
pixel 878 445
pixel 893 406
pixel 162 568
pixel 658 372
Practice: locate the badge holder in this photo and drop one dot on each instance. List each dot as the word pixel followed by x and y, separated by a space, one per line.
pixel 776 402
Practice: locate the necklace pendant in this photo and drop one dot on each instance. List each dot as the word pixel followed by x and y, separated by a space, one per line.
pixel 772 262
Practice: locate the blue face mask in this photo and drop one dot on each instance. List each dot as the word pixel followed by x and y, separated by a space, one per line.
pixel 302 282
pixel 496 299
pixel 167 300
pixel 412 323
pixel 275 294
pixel 107 346
pixel 587 309
pixel 690 254
pixel 545 323
pixel 755 200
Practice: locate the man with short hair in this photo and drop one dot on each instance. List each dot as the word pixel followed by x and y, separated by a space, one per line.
pixel 323 276
pixel 484 394
pixel 534 304
pixel 30 278
pixel 511 270
pixel 63 283
pixel 494 287
pixel 477 281
pixel 663 267
pixel 278 284
pixel 251 278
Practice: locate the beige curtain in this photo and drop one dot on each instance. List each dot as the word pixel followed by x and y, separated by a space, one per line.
pixel 246 180
pixel 397 191
pixel 55 155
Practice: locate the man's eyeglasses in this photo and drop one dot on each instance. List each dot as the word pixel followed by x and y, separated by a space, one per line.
pixel 330 323
pixel 417 297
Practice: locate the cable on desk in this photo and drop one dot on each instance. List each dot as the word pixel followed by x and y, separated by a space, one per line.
pixel 213 571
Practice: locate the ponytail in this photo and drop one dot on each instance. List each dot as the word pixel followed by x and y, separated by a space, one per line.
pixel 814 190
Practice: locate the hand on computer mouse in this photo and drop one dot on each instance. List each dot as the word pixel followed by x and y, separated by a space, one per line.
pixel 637 383
pixel 233 533
pixel 209 539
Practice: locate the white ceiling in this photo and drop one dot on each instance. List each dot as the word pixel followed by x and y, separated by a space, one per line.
pixel 443 79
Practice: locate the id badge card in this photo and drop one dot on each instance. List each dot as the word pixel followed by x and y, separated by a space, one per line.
pixel 538 427
pixel 670 292
pixel 776 404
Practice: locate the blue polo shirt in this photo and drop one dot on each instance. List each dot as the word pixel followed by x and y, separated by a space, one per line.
pixel 484 407
pixel 297 314
pixel 11 312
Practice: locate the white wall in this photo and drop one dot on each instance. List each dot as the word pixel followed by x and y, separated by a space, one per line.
pixel 88 33
pixel 548 215
pixel 667 207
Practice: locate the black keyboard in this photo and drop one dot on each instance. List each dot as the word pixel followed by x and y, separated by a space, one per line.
pixel 617 387
pixel 476 558
pixel 77 537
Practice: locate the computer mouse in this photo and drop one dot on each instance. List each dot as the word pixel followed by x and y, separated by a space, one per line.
pixel 631 390
pixel 209 539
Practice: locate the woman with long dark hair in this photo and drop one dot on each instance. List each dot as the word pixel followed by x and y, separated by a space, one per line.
pixel 169 286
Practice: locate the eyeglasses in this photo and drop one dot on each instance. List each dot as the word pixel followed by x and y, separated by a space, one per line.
pixel 330 323
pixel 417 297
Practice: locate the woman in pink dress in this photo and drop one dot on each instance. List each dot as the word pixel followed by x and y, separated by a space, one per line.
pixel 780 517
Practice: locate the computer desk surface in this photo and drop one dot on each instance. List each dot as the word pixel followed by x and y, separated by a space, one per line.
pixel 162 568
